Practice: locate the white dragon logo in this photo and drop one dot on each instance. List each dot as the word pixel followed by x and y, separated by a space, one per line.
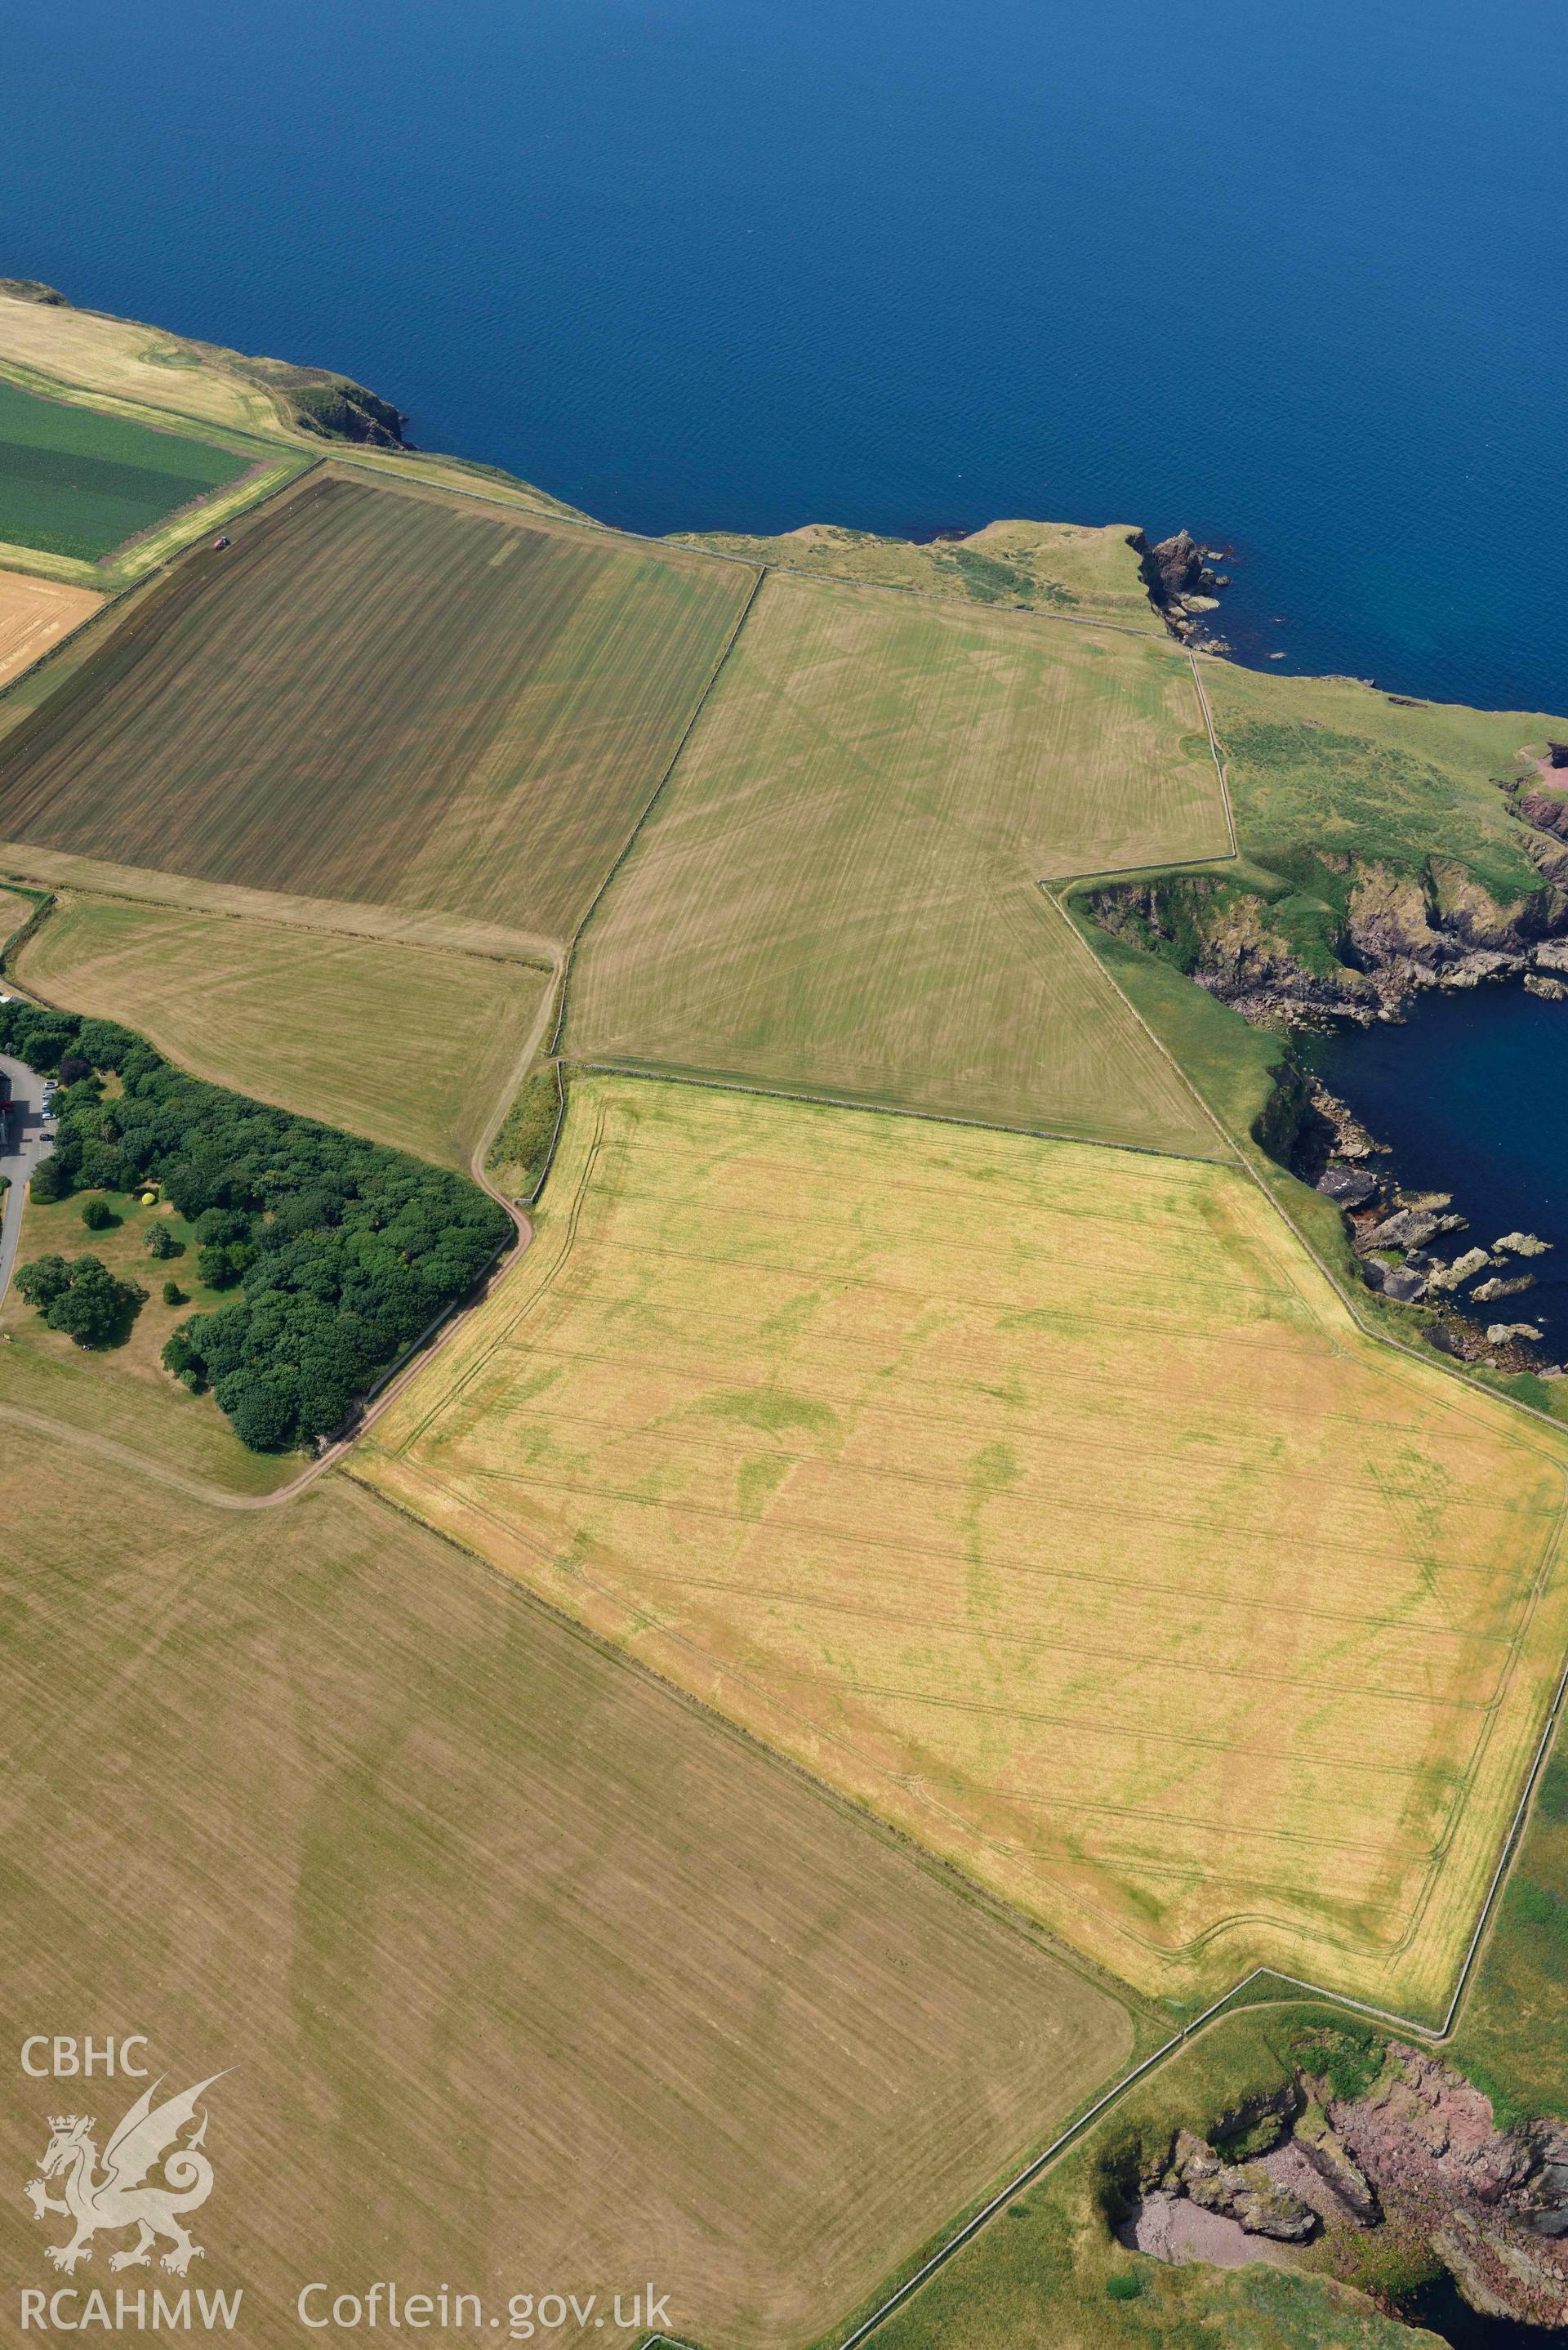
pixel 120 2199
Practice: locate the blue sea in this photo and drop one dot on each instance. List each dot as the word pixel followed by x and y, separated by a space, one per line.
pixel 1473 1094
pixel 1291 276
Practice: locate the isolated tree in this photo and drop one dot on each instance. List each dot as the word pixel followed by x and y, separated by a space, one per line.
pixel 97 1215
pixel 162 1242
pixel 82 1298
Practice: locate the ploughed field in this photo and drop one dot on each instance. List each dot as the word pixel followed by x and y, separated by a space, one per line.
pixel 522 1966
pixel 837 891
pixel 1044 1498
pixel 409 1044
pixel 386 695
pixel 79 482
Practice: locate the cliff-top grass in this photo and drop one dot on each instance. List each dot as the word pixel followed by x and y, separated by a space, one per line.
pixel 1048 2274
pixel 450 1894
pixel 1081 570
pixel 1332 766
pixel 407 1044
pixel 838 891
pixel 1046 1499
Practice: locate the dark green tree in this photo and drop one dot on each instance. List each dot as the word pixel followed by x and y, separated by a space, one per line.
pixel 51 1182
pixel 46 1278
pixel 335 1253
pixel 82 1298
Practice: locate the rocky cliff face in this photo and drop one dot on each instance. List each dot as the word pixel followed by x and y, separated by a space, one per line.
pixel 1181 585
pixel 1410 2165
pixel 1493 2204
pixel 339 409
pixel 1400 932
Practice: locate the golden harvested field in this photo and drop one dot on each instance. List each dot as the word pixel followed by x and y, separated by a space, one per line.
pixel 529 1972
pixel 386 695
pixel 838 891
pixel 36 614
pixel 1044 1498
pixel 406 1045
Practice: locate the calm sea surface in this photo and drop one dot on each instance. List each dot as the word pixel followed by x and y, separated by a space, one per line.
pixel 1291 276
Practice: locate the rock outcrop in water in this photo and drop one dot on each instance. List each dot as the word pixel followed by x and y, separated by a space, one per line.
pixel 1181 587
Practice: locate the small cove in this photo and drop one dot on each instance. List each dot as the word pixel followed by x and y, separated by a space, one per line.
pixel 1470 1092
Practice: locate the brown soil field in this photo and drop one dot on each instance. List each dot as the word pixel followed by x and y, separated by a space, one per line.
pixel 1044 1498
pixel 388 695
pixel 36 614
pixel 523 1975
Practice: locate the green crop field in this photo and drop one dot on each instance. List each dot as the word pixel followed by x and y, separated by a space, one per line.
pixel 1044 1498
pixel 384 695
pixel 838 891
pixel 461 1899
pixel 78 482
pixel 407 1044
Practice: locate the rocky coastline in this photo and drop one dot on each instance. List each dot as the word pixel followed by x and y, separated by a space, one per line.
pixel 1181 583
pixel 1414 1249
pixel 1397 935
pixel 1384 2177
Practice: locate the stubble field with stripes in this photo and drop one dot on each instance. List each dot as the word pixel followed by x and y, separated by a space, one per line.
pixel 1046 1499
pixel 386 696
pixel 838 890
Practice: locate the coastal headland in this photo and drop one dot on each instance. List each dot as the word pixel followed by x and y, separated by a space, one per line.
pixel 944 1665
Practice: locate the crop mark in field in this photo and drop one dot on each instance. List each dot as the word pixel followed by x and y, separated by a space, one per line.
pixel 569 1438
pixel 383 1737
pixel 333 1026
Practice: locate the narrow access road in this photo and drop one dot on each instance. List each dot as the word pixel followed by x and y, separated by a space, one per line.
pixel 23 1142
